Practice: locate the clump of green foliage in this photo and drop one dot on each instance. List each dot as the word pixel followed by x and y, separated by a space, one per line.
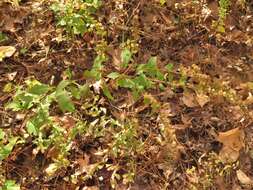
pixel 223 11
pixel 50 133
pixel 10 185
pixel 77 16
pixel 39 98
pixel 7 143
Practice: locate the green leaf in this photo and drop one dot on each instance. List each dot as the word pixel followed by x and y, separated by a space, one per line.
pixel 97 65
pixel 84 90
pixel 75 92
pixel 113 75
pixel 3 37
pixel 39 89
pixel 6 150
pixel 107 92
pixel 150 69
pixel 10 185
pixel 169 67
pixel 125 83
pixel 92 74
pixel 64 101
pixel 20 102
pixel 95 72
pixel 62 85
pixel 126 57
pixel 31 128
pixel 142 82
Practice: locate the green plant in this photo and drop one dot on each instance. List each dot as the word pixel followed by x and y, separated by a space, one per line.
pixel 125 141
pixel 3 37
pixel 10 185
pixel 76 16
pixel 146 76
pixel 39 98
pixel 7 144
pixel 223 11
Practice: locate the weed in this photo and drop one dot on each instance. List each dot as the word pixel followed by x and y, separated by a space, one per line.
pixel 10 185
pixel 223 11
pixel 7 143
pixel 39 99
pixel 76 16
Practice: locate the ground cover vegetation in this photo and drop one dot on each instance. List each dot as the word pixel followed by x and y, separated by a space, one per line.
pixel 147 94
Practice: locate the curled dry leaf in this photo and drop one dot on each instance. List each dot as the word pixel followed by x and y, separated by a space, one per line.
pixel 233 142
pixel 6 51
pixel 243 178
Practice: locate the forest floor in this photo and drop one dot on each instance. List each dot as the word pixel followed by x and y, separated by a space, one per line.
pixel 138 94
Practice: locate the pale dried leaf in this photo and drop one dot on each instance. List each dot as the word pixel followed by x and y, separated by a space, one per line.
pixel 83 165
pixel 11 76
pixel 90 188
pixel 233 142
pixel 189 100
pixel 243 178
pixel 6 51
pixel 51 169
pixel 202 99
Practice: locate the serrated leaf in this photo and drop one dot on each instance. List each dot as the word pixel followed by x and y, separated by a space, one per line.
pixel 20 102
pixel 64 101
pixel 39 89
pixel 31 128
pixel 126 57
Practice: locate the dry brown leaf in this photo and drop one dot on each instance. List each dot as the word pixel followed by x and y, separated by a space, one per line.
pixel 83 164
pixel 189 100
pixel 11 76
pixel 233 142
pixel 202 99
pixel 116 58
pixel 6 51
pixel 243 178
